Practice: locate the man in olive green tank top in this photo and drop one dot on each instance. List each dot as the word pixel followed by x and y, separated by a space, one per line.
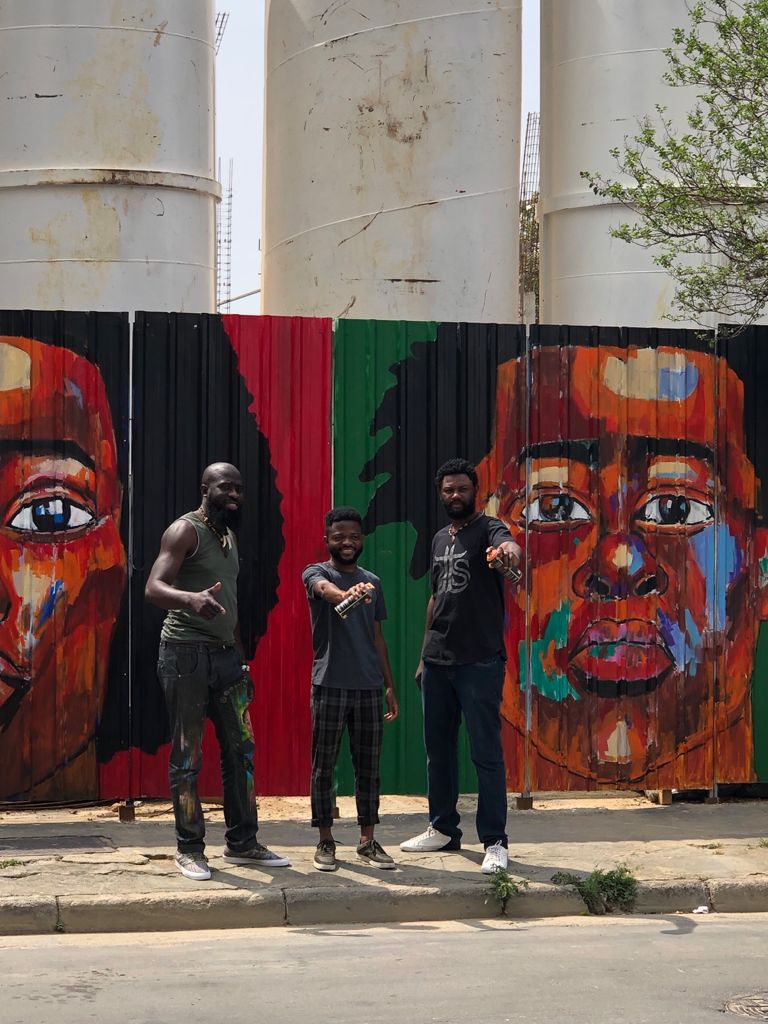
pixel 203 673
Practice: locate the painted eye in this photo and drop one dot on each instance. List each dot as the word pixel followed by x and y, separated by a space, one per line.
pixel 51 515
pixel 676 510
pixel 556 508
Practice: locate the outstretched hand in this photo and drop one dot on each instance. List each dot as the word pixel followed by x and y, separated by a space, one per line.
pixel 365 590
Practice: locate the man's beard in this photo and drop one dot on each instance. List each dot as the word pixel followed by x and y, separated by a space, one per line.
pixel 222 516
pixel 230 518
pixel 464 512
pixel 349 559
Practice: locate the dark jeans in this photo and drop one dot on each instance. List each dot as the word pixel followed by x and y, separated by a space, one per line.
pixel 200 681
pixel 474 690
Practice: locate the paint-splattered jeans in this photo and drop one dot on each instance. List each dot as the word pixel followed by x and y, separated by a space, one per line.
pixel 447 692
pixel 200 681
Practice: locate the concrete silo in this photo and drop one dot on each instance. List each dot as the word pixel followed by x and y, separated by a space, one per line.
pixel 107 190
pixel 601 71
pixel 392 159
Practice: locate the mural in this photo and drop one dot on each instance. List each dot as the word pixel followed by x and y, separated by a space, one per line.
pixel 241 390
pixel 639 516
pixel 629 465
pixel 63 448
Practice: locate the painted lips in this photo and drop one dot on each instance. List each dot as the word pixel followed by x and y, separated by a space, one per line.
pixel 615 659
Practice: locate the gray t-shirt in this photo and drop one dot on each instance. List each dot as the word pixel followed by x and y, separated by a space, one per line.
pixel 345 655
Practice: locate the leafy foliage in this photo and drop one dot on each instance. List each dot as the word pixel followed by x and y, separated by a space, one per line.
pixel 603 891
pixel 701 190
pixel 502 887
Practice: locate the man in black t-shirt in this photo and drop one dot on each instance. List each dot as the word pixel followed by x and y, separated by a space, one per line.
pixel 349 672
pixel 462 667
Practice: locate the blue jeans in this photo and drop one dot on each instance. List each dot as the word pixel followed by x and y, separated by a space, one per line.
pixel 447 692
pixel 201 681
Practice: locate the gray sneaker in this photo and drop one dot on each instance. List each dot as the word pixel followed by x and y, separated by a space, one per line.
pixel 325 855
pixel 193 865
pixel 258 855
pixel 374 854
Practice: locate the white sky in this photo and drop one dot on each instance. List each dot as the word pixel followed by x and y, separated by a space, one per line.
pixel 239 127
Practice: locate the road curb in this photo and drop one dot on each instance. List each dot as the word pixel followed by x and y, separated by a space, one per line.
pixel 162 912
pixel 671 897
pixel 28 915
pixel 317 905
pixel 748 896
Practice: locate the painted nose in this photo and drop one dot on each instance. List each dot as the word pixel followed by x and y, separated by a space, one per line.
pixel 621 567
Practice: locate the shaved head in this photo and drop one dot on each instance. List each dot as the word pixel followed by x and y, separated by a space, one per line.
pixel 222 490
pixel 216 470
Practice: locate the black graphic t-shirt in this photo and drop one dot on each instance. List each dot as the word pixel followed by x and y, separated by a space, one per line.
pixel 345 650
pixel 468 619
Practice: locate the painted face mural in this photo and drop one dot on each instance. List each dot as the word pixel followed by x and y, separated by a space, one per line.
pixel 62 563
pixel 635 643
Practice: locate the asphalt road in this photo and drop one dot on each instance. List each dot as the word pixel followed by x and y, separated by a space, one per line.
pixel 664 970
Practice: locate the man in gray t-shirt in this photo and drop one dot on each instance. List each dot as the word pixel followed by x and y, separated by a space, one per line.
pixel 350 670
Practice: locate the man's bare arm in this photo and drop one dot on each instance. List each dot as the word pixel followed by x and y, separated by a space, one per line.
pixel 334 595
pixel 179 541
pixel 389 691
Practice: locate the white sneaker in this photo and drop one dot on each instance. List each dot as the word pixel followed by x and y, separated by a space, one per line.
pixel 430 842
pixel 194 866
pixel 496 858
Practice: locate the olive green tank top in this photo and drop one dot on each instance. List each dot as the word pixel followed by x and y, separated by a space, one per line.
pixel 209 564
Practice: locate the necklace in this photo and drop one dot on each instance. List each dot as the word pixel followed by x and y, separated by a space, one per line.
pixel 221 536
pixel 453 530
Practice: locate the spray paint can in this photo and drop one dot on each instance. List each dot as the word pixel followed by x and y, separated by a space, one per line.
pixel 349 604
pixel 511 574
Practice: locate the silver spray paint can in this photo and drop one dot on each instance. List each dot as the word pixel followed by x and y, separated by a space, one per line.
pixel 348 605
pixel 512 574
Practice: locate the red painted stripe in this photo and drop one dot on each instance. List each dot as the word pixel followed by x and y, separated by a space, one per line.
pixel 286 364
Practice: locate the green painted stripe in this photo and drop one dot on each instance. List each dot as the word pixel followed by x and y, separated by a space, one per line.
pixel 363 354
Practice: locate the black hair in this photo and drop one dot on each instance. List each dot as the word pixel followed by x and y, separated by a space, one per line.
pixel 342 514
pixel 192 409
pixel 456 467
pixel 444 397
pixel 179 362
pixel 438 406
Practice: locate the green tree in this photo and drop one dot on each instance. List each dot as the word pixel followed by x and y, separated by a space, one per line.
pixel 701 190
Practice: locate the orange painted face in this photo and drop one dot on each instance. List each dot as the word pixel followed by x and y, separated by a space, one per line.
pixel 639 593
pixel 62 563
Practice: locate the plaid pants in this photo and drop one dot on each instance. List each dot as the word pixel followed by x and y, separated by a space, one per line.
pixel 362 713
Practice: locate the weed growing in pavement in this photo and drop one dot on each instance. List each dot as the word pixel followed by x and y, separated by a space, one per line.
pixel 502 887
pixel 603 891
pixel 10 863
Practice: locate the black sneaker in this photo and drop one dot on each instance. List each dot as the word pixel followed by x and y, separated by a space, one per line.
pixel 258 855
pixel 374 854
pixel 325 855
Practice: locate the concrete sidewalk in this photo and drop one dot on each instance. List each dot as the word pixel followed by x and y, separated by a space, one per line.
pixel 84 871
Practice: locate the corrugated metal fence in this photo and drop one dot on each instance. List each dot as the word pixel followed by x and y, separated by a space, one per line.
pixel 628 464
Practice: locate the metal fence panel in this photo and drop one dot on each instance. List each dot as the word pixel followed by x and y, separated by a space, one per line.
pixel 631 465
pixel 63 539
pixel 255 392
pixel 408 396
